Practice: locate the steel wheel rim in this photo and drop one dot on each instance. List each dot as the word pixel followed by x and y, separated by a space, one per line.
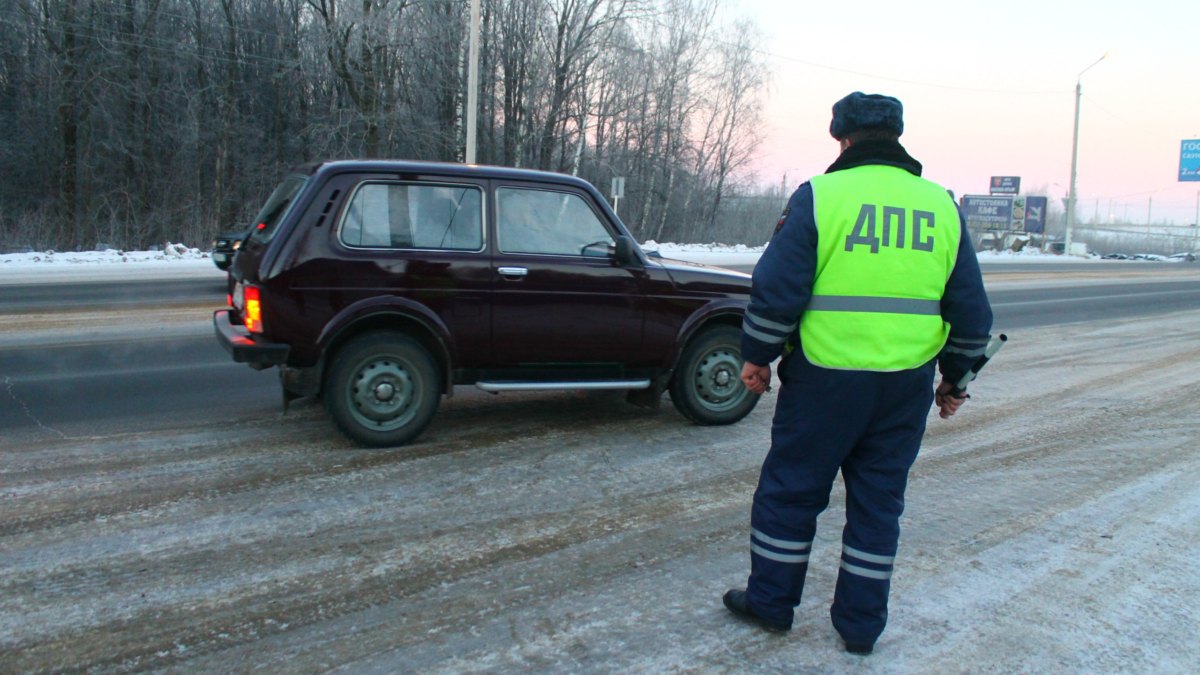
pixel 383 392
pixel 717 380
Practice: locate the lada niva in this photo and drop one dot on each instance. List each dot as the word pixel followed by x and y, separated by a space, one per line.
pixel 379 285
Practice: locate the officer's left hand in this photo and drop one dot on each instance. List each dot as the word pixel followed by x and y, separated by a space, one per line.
pixel 947 403
pixel 756 378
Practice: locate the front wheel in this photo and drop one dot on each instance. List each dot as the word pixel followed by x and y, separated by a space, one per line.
pixel 707 386
pixel 383 389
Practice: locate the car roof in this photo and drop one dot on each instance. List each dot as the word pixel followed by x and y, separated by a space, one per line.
pixel 440 168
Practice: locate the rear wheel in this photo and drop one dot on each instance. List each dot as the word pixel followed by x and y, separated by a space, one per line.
pixel 707 385
pixel 383 389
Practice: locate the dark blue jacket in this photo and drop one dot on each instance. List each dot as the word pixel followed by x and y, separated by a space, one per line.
pixel 783 279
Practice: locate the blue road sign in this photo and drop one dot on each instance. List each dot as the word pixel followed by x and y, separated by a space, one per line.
pixel 1189 160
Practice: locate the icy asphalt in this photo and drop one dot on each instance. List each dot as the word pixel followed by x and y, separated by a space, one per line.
pixel 1051 527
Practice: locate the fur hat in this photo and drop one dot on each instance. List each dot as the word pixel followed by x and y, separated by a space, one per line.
pixel 866 111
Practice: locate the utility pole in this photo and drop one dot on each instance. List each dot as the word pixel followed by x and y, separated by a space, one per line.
pixel 1075 155
pixel 473 83
pixel 1149 209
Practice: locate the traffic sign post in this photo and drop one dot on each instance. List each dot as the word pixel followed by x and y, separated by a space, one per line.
pixel 618 191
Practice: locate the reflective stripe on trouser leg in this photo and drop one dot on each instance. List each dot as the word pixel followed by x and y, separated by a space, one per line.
pixel 817 421
pixel 777 571
pixel 876 475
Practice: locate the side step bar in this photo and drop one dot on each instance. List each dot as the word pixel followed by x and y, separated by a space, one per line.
pixel 496 387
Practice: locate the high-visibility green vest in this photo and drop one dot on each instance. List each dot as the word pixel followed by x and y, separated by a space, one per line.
pixel 886 243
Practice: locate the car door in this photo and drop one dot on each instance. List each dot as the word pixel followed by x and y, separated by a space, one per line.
pixel 555 299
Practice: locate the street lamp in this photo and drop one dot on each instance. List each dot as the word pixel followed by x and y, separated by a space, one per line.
pixel 1075 154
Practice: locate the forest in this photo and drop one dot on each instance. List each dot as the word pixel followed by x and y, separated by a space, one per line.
pixel 130 123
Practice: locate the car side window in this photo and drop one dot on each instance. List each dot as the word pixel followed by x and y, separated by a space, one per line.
pixel 542 221
pixel 403 215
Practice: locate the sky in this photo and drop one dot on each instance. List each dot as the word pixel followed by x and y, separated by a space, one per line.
pixel 1004 101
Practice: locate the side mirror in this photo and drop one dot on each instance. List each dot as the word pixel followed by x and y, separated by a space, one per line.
pixel 626 255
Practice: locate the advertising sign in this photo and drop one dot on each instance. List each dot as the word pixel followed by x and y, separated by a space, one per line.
pixel 987 213
pixel 1189 161
pixel 1005 185
pixel 1029 214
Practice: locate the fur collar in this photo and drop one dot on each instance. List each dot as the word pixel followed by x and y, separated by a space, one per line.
pixel 887 153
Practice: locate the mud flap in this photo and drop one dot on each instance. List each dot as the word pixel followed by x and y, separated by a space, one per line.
pixel 650 398
pixel 287 377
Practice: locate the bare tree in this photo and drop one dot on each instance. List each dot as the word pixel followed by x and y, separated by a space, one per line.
pixel 131 122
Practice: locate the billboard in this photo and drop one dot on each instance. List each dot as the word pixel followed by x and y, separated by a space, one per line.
pixel 1189 160
pixel 987 212
pixel 1035 214
pixel 1005 185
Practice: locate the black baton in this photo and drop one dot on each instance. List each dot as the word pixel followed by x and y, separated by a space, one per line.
pixel 959 390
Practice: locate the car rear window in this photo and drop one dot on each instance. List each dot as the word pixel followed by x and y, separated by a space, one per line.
pixel 277 206
pixel 401 215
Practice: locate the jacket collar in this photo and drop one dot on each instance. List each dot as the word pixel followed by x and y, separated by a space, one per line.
pixel 887 153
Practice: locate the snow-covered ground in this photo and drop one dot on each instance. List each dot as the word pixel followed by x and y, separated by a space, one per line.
pixel 1051 527
pixel 175 261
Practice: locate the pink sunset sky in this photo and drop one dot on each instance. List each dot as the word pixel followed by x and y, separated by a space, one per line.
pixel 1138 105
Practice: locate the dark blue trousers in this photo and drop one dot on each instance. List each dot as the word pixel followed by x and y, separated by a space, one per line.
pixel 867 424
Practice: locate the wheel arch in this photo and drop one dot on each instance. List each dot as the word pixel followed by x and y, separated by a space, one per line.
pixel 431 334
pixel 722 313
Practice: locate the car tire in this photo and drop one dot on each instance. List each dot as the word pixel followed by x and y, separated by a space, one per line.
pixel 707 385
pixel 382 389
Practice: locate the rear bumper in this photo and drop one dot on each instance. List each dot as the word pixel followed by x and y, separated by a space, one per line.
pixel 242 347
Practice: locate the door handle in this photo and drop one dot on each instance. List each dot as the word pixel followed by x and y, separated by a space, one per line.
pixel 513 271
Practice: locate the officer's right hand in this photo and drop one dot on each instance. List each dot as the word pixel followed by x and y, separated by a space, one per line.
pixel 756 378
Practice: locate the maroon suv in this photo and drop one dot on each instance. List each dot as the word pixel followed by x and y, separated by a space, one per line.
pixel 381 284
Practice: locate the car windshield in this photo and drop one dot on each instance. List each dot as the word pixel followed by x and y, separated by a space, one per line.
pixel 276 207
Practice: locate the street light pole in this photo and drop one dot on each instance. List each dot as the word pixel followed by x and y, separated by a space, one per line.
pixel 473 83
pixel 1075 156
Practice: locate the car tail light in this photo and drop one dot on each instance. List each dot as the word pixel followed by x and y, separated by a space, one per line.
pixel 253 310
pixel 229 299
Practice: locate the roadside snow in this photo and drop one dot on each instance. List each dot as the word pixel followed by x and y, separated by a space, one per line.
pixel 175 261
pixel 708 254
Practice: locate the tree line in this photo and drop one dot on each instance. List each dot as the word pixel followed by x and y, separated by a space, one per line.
pixel 129 123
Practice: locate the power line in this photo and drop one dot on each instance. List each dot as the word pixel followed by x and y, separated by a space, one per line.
pixel 1124 121
pixel 851 72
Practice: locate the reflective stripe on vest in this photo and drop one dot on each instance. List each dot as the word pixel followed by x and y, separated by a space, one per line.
pixel 886 243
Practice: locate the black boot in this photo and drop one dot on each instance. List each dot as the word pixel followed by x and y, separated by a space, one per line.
pixel 861 650
pixel 737 602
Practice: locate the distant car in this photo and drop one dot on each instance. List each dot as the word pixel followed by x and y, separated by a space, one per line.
pixel 1116 256
pixel 379 285
pixel 1148 257
pixel 224 247
pixel 1185 257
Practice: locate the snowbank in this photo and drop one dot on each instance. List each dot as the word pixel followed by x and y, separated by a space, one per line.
pixel 708 254
pixel 173 262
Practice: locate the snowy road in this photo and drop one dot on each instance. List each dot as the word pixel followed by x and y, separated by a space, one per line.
pixel 1052 527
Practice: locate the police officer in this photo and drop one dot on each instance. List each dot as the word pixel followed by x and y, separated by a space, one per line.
pixel 869 281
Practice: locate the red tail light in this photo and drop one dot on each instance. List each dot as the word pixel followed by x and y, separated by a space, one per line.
pixel 253 310
pixel 229 299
